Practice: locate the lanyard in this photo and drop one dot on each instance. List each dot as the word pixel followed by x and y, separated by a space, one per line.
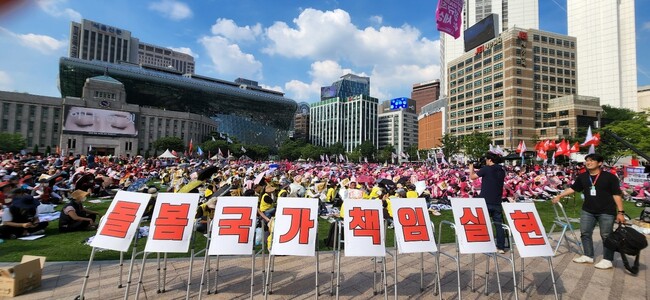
pixel 593 182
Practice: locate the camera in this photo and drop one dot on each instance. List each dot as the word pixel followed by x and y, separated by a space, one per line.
pixel 478 163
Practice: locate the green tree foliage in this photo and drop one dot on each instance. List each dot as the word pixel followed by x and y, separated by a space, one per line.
pixel 35 149
pixel 309 151
pixel 291 150
pixel 450 144
pixel 48 150
pixel 476 144
pixel 412 151
pixel 613 114
pixel 212 147
pixel 171 143
pixel 385 154
pixel 12 142
pixel 634 131
pixel 367 149
pixel 336 148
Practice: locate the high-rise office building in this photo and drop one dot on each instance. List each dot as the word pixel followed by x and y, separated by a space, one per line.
pixel 607 50
pixel 90 40
pixel 424 93
pixel 432 124
pixel 503 88
pixel 398 124
pixel 519 13
pixel 349 85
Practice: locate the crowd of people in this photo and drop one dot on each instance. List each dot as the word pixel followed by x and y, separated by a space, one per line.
pixel 27 182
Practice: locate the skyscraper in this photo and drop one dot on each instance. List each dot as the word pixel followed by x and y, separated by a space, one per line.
pixel 606 52
pixel 424 93
pixel 520 13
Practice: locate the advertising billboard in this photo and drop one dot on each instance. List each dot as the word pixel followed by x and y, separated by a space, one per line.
pixel 327 92
pixel 481 32
pixel 93 121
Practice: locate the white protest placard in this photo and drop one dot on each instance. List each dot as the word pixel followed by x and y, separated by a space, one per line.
pixel 172 223
pixel 473 225
pixel 527 229
pixel 296 226
pixel 119 225
pixel 363 227
pixel 233 227
pixel 413 230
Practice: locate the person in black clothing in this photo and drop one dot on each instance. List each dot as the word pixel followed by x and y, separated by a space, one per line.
pixel 603 205
pixel 20 219
pixel 75 217
pixel 492 178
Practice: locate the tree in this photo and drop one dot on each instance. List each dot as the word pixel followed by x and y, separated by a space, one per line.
pixel 613 114
pixel 635 131
pixel 386 153
pixel 212 147
pixel 476 144
pixel 12 142
pixel 35 150
pixel 170 142
pixel 450 145
pixel 291 150
pixel 412 151
pixel 366 149
pixel 48 150
pixel 336 148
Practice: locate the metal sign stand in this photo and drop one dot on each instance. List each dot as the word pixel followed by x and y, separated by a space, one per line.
pixel 562 221
pixel 121 264
pixel 550 266
pixel 144 260
pixel 206 265
pixel 457 259
pixel 268 286
pixel 337 252
pixel 437 275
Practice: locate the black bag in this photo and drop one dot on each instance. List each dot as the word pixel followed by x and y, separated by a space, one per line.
pixel 627 241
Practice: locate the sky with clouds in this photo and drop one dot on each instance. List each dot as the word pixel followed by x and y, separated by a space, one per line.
pixel 290 46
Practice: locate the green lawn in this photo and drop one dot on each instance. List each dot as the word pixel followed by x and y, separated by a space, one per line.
pixel 70 247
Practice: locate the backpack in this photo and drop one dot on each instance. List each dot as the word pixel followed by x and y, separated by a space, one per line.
pixel 627 241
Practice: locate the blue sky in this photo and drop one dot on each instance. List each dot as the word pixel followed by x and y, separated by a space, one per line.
pixel 291 46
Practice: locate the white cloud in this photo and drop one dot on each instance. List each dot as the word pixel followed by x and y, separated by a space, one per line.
pixel 6 83
pixel 185 50
pixel 171 9
pixel 53 8
pixel 273 88
pixel 376 20
pixel 229 60
pixel 394 57
pixel 228 29
pixel 43 43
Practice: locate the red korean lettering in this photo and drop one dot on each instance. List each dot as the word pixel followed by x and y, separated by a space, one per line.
pixel 365 222
pixel 120 219
pixel 413 225
pixel 300 225
pixel 241 226
pixel 476 229
pixel 527 225
pixel 171 221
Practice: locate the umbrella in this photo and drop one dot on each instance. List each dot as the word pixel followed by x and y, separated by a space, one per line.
pixel 403 180
pixel 85 182
pixel 364 179
pixel 259 178
pixel 53 178
pixel 389 184
pixel 190 186
pixel 138 184
pixel 222 190
pixel 207 172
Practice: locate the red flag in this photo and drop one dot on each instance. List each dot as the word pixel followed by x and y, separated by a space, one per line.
pixel 542 154
pixel 539 145
pixel 190 147
pixel 519 147
pixel 567 148
pixel 552 145
pixel 560 149
pixel 575 148
pixel 547 145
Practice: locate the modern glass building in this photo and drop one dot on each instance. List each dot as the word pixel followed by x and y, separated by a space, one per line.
pixel 349 85
pixel 248 112
pixel 350 121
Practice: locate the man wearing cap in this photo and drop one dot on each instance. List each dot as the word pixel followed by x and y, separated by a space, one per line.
pixel 75 217
pixel 20 219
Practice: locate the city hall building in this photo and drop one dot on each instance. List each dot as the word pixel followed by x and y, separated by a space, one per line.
pixel 101 118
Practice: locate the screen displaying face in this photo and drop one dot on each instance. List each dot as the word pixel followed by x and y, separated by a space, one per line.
pixel 94 121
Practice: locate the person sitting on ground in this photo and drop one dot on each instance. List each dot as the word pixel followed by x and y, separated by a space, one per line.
pixel 75 217
pixel 204 212
pixel 20 219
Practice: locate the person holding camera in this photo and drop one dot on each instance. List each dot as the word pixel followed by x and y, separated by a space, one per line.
pixel 603 205
pixel 492 177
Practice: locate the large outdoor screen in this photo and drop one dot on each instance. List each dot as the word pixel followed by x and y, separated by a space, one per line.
pixel 327 92
pixel 93 121
pixel 481 32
